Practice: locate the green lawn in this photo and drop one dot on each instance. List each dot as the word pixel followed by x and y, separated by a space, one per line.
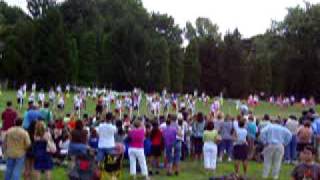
pixel 190 169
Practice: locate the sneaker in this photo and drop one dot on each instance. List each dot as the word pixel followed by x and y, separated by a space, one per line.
pixel 150 173
pixel 275 177
pixel 229 159
pixel 3 167
pixel 176 173
pixel 157 172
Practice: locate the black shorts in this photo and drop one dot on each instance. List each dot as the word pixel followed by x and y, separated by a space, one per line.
pixel 20 100
pixel 198 144
pixel 76 108
pixel 156 150
pixel 240 152
pixel 60 106
pixel 99 108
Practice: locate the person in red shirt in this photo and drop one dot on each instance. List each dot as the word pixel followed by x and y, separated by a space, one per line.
pixel 156 145
pixel 9 117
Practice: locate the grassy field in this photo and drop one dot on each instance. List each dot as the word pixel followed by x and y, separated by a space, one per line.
pixel 192 170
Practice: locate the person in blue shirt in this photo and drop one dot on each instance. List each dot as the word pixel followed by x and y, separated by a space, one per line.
pixel 274 137
pixel 316 131
pixel 252 132
pixel 93 139
pixel 32 114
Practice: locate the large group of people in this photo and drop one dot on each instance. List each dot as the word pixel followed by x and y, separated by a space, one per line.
pixel 170 131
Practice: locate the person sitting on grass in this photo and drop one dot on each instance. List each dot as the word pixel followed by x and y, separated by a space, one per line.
pixel 307 169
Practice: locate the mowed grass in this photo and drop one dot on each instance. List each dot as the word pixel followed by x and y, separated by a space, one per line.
pixel 190 169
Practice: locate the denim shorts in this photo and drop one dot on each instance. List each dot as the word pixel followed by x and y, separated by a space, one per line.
pixel 103 151
pixel 77 149
pixel 173 152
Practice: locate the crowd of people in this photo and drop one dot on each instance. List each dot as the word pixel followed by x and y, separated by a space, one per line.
pixel 172 130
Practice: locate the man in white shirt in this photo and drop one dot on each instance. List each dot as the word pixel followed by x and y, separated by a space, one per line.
pixel 41 98
pixel 20 97
pixel 106 131
pixel 52 96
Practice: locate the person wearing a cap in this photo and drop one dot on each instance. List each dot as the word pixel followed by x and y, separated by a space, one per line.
pixel 274 137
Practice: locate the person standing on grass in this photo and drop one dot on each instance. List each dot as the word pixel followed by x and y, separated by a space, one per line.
pixel 31 115
pixel 15 145
pixel 291 149
pixel 274 137
pixel 106 131
pixel 197 134
pixel 210 150
pixel 46 114
pixel 79 140
pixel 226 130
pixel 218 121
pixel 304 135
pixel 156 146
pixel 252 133
pixel 8 116
pixel 307 169
pixel 170 137
pixel 179 141
pixel 316 132
pixel 136 149
pixel 43 147
pixel 20 96
pixel 240 148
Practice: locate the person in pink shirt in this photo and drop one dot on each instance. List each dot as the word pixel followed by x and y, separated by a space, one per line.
pixel 136 149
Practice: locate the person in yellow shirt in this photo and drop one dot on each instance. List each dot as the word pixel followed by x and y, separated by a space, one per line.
pixel 210 150
pixel 15 145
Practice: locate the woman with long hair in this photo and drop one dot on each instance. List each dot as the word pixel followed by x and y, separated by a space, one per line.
pixel 156 146
pixel 43 147
pixel 197 134
pixel 79 140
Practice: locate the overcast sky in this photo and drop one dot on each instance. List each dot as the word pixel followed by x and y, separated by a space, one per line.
pixel 250 16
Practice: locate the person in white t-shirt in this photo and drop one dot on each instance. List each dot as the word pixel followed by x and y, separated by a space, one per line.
pixel 106 131
pixel 31 97
pixel 52 96
pixel 61 103
pixel 34 87
pixel 41 98
pixel 59 90
pixel 77 102
pixel 20 97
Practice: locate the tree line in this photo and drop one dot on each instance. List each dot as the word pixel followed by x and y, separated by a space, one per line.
pixel 118 44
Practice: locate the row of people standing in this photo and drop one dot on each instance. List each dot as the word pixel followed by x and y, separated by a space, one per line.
pixel 197 135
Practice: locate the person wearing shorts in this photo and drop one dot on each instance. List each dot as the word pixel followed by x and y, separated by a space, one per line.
pixel 240 148
pixel 156 146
